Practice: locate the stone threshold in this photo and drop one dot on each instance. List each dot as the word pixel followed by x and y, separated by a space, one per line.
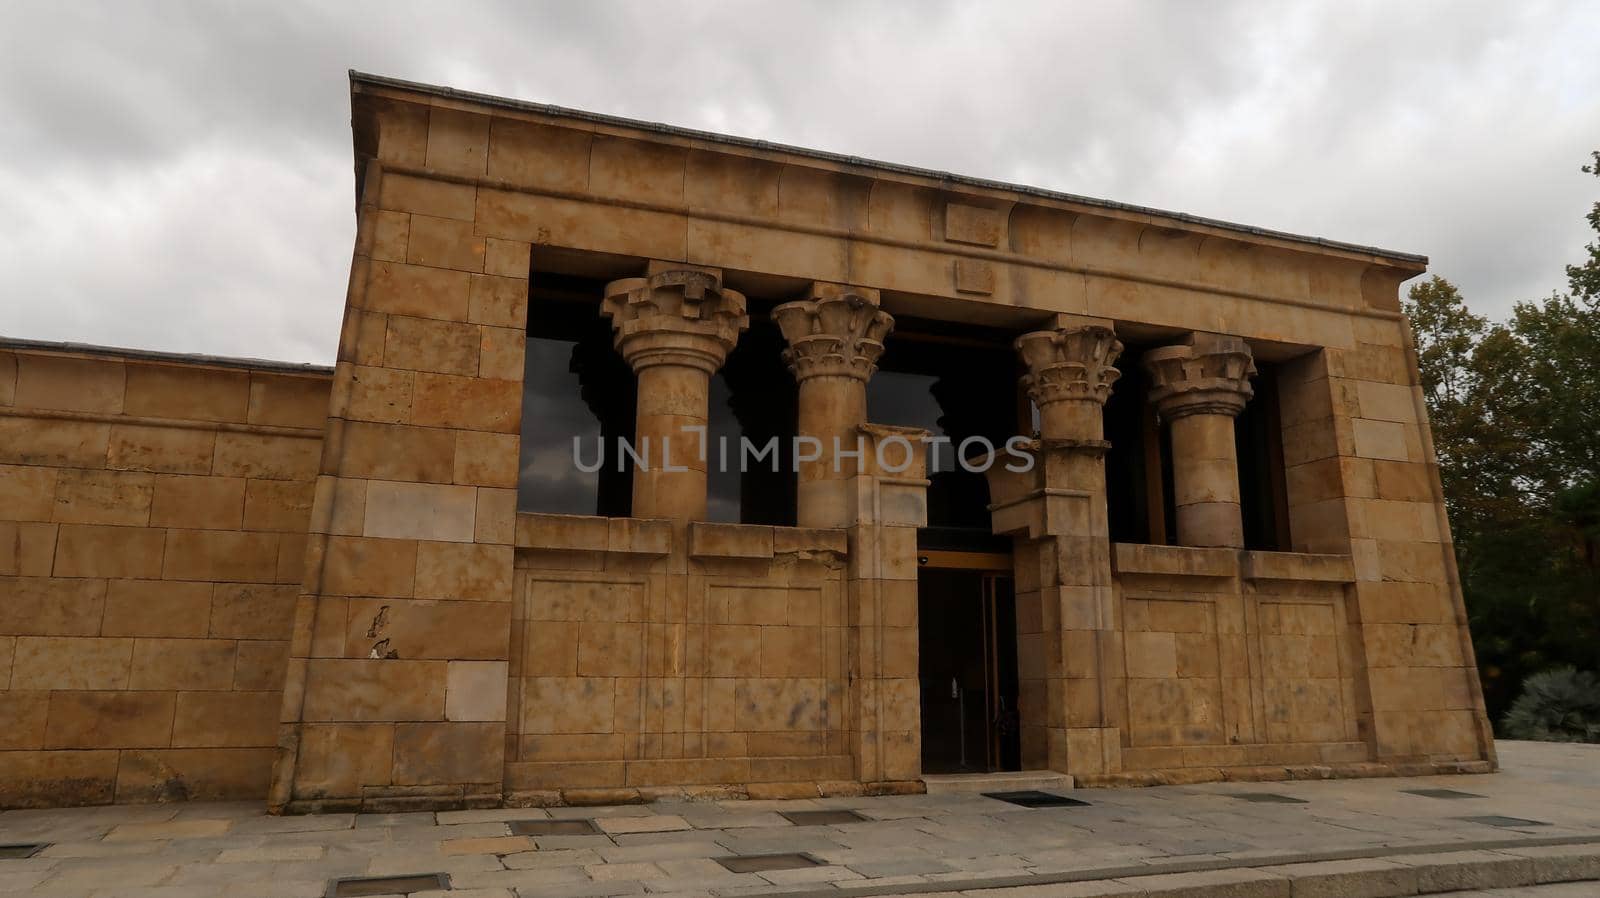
pixel 1277 773
pixel 1368 872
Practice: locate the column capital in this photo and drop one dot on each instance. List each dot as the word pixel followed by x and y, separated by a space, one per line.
pixel 675 315
pixel 837 332
pixel 1206 374
pixel 1070 363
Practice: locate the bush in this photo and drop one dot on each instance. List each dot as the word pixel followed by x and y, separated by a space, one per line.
pixel 1558 705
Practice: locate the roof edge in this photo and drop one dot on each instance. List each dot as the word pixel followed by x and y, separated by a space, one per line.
pixel 1409 260
pixel 151 355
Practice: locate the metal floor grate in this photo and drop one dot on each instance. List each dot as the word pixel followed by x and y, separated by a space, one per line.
pixel 764 863
pixel 578 827
pixel 1033 798
pixel 821 818
pixel 1440 793
pixel 1269 798
pixel 357 886
pixel 19 851
pixel 1506 822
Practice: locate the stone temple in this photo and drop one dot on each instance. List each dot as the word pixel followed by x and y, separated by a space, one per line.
pixel 1122 495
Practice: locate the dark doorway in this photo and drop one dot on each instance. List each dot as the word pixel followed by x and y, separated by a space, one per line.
pixel 959 383
pixel 967 643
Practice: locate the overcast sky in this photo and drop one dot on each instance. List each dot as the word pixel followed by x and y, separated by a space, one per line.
pixel 178 176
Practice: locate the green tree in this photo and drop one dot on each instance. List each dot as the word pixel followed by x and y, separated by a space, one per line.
pixel 1584 279
pixel 1515 408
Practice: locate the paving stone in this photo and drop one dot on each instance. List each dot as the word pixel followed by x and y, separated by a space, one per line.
pixel 491 845
pixel 583 890
pixel 1463 870
pixel 1357 878
pixel 550 843
pixel 1215 884
pixel 1098 889
pixel 21 880
pixel 1561 863
pixel 906 867
pixel 519 879
pixel 110 875
pixel 574 857
pixel 395 865
pixel 410 818
pixel 275 890
pixel 301 823
pixel 176 829
pixel 651 824
pixel 809 874
pixel 271 853
pixel 636 871
pixel 491 815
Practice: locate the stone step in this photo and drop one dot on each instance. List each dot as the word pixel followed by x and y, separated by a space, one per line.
pixel 1008 781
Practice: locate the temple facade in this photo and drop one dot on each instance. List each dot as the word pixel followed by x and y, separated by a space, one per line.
pixel 657 462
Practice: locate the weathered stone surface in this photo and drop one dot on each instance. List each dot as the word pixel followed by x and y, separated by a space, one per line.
pixel 190 549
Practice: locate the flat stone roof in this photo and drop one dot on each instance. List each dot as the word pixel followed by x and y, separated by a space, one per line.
pixel 450 93
pixel 150 355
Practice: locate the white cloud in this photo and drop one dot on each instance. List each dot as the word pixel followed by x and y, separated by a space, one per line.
pixel 177 176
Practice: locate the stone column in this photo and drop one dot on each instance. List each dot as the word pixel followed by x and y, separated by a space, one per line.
pixel 835 338
pixel 1066 614
pixel 1199 386
pixel 675 326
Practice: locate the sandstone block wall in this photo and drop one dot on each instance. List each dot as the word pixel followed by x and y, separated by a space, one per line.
pixel 398 660
pixel 641 663
pixel 152 539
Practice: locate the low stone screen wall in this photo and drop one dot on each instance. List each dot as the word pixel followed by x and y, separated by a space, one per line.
pixel 152 538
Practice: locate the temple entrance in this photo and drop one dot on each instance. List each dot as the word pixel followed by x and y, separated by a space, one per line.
pixel 967 641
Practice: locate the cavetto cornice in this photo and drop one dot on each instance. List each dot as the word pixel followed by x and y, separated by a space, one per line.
pixel 363 85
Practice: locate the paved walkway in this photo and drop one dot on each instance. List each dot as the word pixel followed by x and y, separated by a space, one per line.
pixel 1546 795
pixel 1562 890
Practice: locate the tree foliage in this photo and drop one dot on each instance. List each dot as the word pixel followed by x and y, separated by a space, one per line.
pixel 1515 409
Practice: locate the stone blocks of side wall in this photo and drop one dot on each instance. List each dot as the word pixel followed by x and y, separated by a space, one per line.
pixel 152 526
pixel 400 656
pixel 1363 479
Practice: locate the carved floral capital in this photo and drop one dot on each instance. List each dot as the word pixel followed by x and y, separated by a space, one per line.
pixel 840 335
pixel 675 317
pixel 1207 374
pixel 1070 363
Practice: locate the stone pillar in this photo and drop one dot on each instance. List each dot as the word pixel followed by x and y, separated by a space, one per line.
pixel 1199 386
pixel 1068 654
pixel 883 709
pixel 675 326
pixel 835 338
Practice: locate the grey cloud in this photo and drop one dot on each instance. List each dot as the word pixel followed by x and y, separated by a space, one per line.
pixel 176 175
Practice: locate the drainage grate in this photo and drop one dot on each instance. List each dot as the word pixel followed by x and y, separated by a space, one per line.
pixel 821 818
pixel 580 827
pixel 1440 793
pixel 1269 798
pixel 1508 822
pixel 1033 798
pixel 356 886
pixel 763 863
pixel 14 852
